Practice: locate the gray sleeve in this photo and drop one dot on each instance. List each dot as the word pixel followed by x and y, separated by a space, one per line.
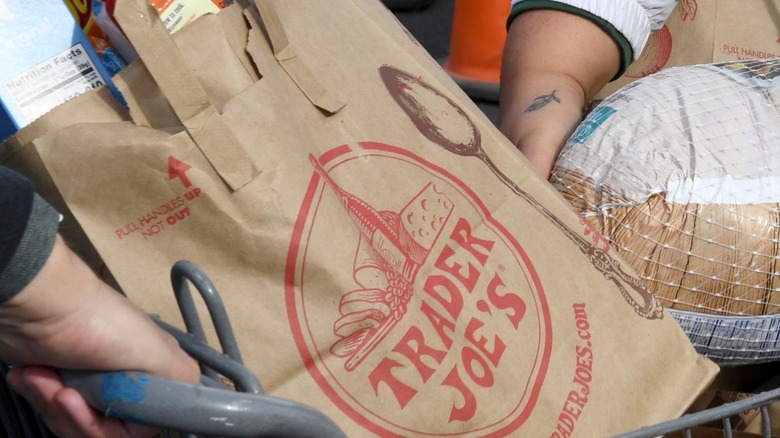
pixel 35 246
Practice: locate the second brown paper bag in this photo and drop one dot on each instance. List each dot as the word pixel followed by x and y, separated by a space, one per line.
pixel 705 31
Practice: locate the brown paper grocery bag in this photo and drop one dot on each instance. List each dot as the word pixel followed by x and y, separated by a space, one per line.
pixel 705 31
pixel 385 254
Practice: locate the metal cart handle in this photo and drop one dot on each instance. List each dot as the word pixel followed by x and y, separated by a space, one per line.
pixel 183 407
pixel 210 408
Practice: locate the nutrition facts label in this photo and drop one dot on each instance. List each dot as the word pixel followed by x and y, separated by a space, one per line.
pixel 732 340
pixel 54 81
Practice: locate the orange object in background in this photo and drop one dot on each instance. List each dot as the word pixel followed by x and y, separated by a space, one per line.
pixel 476 46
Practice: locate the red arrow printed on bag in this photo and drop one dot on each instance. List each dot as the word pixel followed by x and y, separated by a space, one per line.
pixel 178 169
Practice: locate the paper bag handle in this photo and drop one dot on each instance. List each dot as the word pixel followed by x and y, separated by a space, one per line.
pixel 291 63
pixel 145 30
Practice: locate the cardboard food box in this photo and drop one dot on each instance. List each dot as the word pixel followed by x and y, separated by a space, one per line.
pixel 96 19
pixel 178 13
pixel 45 59
pixel 88 16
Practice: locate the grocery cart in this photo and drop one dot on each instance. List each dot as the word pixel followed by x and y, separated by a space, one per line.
pixel 230 401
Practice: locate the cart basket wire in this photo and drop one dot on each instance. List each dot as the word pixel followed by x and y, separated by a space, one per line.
pixel 209 409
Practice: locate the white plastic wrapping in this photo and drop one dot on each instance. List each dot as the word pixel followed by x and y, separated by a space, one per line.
pixel 681 173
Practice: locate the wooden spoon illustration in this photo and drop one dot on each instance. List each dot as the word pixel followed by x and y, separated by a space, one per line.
pixel 426 107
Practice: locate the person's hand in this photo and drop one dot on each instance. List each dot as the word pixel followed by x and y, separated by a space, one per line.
pixel 65 411
pixel 554 63
pixel 68 318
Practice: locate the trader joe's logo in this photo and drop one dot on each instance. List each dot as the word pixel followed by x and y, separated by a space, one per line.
pixel 413 308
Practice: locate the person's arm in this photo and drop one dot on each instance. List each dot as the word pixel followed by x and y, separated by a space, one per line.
pixel 557 57
pixel 554 63
pixel 64 316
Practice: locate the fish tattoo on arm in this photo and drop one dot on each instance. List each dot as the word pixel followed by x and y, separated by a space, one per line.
pixel 542 101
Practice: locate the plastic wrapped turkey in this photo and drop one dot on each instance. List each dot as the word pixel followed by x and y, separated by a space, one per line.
pixel 680 171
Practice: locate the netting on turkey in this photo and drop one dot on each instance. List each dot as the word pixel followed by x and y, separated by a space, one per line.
pixel 680 171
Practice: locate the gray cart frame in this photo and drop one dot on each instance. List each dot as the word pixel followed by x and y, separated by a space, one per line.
pixel 230 402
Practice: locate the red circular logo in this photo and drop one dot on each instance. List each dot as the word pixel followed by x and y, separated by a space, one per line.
pixel 412 307
pixel 655 56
